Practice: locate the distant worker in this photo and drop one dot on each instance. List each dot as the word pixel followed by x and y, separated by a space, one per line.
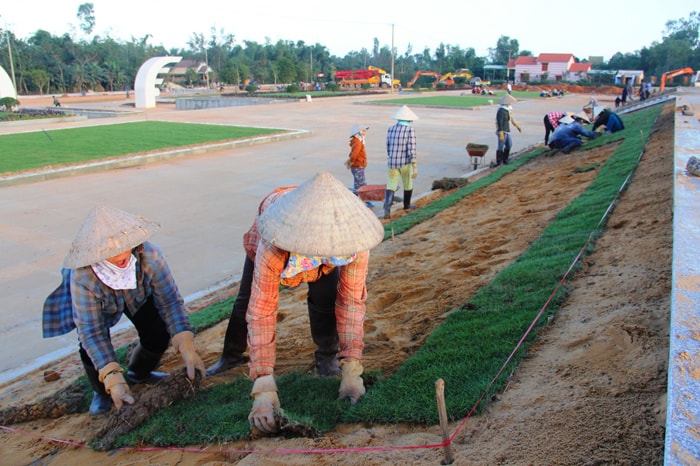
pixel 56 102
pixel 607 120
pixel 504 118
pixel 401 159
pixel 357 160
pixel 567 136
pixel 551 121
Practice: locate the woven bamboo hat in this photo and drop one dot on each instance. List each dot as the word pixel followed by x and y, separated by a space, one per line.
pixel 405 114
pixel 507 100
pixel 357 128
pixel 321 217
pixel 106 232
pixel 581 116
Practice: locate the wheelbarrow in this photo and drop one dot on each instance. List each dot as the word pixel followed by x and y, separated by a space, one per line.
pixel 476 153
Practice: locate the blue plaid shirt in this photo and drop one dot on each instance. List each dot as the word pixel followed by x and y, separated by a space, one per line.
pixel 83 302
pixel 400 145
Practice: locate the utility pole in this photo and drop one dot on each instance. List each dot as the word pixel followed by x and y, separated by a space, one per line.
pixel 9 53
pixel 392 60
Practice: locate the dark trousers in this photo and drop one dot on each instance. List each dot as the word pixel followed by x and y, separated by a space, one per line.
pixel 548 129
pixel 321 304
pixel 153 336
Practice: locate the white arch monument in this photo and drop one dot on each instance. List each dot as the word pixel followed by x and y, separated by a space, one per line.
pixel 147 85
pixel 7 89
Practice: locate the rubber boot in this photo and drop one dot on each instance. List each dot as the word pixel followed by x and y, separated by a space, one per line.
pixel 504 156
pixel 322 323
pixel 141 365
pixel 499 158
pixel 388 200
pixel 101 401
pixel 235 342
pixel 407 200
pixel 236 339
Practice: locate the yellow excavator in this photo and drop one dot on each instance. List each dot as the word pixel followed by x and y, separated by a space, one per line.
pixel 449 78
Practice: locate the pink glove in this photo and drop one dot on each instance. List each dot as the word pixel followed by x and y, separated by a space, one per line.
pixel 265 403
pixel 183 342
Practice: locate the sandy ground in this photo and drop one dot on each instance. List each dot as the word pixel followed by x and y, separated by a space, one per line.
pixel 591 391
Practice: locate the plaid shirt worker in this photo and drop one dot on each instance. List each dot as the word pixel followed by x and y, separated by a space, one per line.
pixel 400 145
pixel 270 261
pixel 83 302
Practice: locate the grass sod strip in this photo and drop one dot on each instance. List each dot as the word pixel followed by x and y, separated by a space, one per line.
pixel 469 347
pixel 42 149
pixel 466 350
pixel 463 101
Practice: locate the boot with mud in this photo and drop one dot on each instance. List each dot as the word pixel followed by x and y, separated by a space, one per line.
pixel 235 344
pixel 388 201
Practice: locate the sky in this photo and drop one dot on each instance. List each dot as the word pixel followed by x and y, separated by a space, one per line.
pixel 589 28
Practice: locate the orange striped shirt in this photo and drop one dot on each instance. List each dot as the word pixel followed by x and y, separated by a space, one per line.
pixel 270 261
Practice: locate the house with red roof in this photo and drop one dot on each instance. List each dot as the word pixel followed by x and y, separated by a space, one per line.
pixel 549 67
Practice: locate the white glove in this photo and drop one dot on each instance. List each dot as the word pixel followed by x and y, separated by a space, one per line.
pixel 265 403
pixel 351 385
pixel 415 170
pixel 183 343
pixel 113 379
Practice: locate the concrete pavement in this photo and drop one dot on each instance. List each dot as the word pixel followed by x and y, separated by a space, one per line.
pixel 206 202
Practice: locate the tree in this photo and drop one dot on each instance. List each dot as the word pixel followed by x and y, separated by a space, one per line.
pixel 286 71
pixel 506 48
pixel 86 16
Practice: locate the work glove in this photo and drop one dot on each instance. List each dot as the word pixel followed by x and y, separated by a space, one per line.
pixel 113 379
pixel 265 403
pixel 415 170
pixel 501 137
pixel 348 164
pixel 351 385
pixel 183 343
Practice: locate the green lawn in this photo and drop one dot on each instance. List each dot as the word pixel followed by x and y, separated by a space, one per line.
pixel 25 151
pixel 467 100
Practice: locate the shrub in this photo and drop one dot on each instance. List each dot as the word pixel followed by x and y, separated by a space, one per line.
pixel 9 103
pixel 292 88
pixel 251 88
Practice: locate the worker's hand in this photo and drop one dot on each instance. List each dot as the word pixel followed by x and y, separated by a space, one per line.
pixel 113 379
pixel 415 170
pixel 351 385
pixel 265 403
pixel 348 164
pixel 183 343
pixel 520 130
pixel 501 136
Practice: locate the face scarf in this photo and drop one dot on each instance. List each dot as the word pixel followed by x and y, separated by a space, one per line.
pixel 115 277
pixel 298 263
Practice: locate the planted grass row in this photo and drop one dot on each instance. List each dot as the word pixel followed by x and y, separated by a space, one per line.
pixel 467 350
pixel 464 101
pixel 43 149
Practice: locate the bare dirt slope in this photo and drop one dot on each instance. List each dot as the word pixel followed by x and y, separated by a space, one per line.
pixel 591 391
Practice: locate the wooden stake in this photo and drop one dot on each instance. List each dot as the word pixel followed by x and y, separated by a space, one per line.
pixel 442 412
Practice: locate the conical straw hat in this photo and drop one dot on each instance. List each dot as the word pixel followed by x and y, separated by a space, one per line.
pixel 507 100
pixel 321 217
pixel 106 232
pixel 357 128
pixel 405 114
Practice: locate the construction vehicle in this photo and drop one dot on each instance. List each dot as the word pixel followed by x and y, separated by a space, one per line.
pixel 672 74
pixel 463 75
pixel 372 76
pixel 420 74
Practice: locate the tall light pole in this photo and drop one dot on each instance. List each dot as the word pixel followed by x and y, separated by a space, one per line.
pixel 9 53
pixel 392 59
